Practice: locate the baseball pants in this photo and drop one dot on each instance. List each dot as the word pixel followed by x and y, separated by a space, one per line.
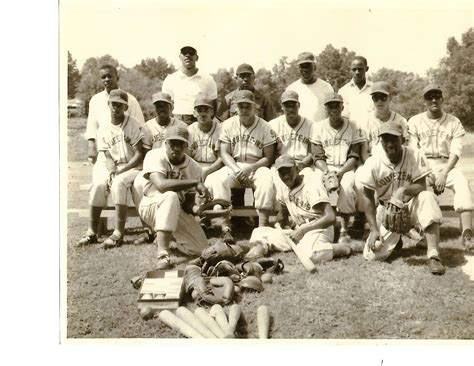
pixel 424 211
pixel 315 244
pixel 346 194
pixel 222 181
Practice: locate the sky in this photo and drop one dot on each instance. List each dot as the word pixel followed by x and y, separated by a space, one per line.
pixel 403 35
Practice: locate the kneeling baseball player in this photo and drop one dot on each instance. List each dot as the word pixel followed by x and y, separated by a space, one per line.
pixel 398 177
pixel 303 198
pixel 169 197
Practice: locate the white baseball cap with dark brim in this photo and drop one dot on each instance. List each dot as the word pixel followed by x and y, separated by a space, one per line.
pixel 285 161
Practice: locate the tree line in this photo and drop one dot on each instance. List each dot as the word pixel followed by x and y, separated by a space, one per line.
pixel 455 74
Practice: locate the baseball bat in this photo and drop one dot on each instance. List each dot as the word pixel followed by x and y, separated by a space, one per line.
pixel 263 321
pixel 204 316
pixel 194 322
pixel 176 323
pixel 221 318
pixel 234 315
pixel 307 263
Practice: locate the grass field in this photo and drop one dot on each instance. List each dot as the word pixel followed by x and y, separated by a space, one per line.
pixel 347 298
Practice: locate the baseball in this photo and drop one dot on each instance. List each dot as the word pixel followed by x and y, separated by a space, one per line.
pixel 147 313
pixel 378 245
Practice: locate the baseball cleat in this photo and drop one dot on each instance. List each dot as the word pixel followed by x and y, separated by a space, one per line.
pixel 467 239
pixel 144 238
pixel 436 266
pixel 86 240
pixel 163 262
pixel 113 241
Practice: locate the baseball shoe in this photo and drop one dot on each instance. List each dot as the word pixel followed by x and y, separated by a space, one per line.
pixel 113 241
pixel 86 240
pixel 144 238
pixel 357 228
pixel 163 262
pixel 436 266
pixel 344 238
pixel 467 239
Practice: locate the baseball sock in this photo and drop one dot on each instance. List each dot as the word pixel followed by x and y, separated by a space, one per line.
pixel 120 219
pixel 94 218
pixel 466 220
pixel 432 239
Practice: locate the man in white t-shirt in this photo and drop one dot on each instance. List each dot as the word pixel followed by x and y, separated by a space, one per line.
pixel 312 91
pixel 187 83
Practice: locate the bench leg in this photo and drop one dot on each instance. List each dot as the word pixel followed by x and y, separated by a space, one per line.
pixel 102 227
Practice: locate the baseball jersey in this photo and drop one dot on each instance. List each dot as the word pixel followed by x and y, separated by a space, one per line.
pixel 263 106
pixel 99 113
pixel 184 89
pixel 119 140
pixel 373 124
pixel 157 161
pixel 293 141
pixel 436 137
pixel 380 175
pixel 203 146
pixel 300 201
pixel 158 132
pixel 336 143
pixel 247 143
pixel 357 102
pixel 312 98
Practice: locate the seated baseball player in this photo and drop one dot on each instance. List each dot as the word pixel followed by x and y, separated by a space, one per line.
pixel 155 129
pixel 440 136
pixel 121 141
pixel 303 198
pixel 336 149
pixel 247 149
pixel 398 178
pixel 169 196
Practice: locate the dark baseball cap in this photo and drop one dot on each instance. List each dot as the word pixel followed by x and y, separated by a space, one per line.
pixel 177 133
pixel 162 97
pixel 391 128
pixel 244 69
pixel 188 48
pixel 202 100
pixel 119 96
pixel 285 161
pixel 244 96
pixel 380 87
pixel 289 96
pixel 431 87
pixel 305 57
pixel 333 97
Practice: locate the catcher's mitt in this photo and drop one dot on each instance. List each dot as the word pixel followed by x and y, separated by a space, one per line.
pixel 206 210
pixel 396 216
pixel 215 290
pixel 330 181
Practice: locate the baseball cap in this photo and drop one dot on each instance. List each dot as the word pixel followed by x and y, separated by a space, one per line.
pixel 305 57
pixel 391 128
pixel 177 133
pixel 431 87
pixel 244 96
pixel 244 69
pixel 333 97
pixel 380 87
pixel 188 48
pixel 284 161
pixel 119 96
pixel 162 97
pixel 202 100
pixel 289 96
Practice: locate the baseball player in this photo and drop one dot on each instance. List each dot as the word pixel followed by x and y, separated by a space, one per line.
pixel 440 136
pixel 245 76
pixel 399 174
pixel 185 84
pixel 312 91
pixel 303 198
pixel 356 93
pixel 155 129
pixel 169 196
pixel 247 148
pixel 121 142
pixel 337 143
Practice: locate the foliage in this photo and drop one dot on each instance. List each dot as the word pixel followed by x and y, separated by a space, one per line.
pixel 225 83
pixel 334 65
pixel 155 69
pixel 73 76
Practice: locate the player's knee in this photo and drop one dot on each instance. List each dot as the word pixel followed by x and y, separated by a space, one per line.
pixel 171 198
pixel 427 197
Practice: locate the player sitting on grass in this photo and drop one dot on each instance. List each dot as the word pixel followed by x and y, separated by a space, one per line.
pixel 121 141
pixel 303 198
pixel 169 197
pixel 398 177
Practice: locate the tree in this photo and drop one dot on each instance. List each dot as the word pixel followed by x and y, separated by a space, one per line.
pixel 155 69
pixel 73 76
pixel 334 65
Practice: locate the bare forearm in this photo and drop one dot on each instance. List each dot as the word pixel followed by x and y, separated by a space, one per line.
pixel 321 165
pixel 215 166
pixel 348 165
pixel 175 185
pixel 133 163
pixel 452 161
pixel 229 161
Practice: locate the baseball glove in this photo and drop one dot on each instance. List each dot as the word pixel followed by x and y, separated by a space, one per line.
pixel 396 216
pixel 330 181
pixel 214 290
pixel 207 208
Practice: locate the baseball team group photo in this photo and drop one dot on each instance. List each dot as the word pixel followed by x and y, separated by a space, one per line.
pixel 320 199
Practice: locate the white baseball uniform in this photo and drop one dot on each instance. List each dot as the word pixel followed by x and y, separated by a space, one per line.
pixel 438 138
pixel 372 128
pixel 336 145
pixel 357 102
pixel 162 210
pixel 203 146
pixel 384 178
pixel 247 144
pixel 301 203
pixel 312 98
pixel 119 142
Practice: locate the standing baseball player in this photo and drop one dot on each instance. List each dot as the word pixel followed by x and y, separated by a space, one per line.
pixel 356 93
pixel 440 136
pixel 312 91
pixel 303 198
pixel 398 177
pixel 121 142
pixel 169 196
pixel 245 76
pixel 337 142
pixel 185 84
pixel 156 129
pixel 247 148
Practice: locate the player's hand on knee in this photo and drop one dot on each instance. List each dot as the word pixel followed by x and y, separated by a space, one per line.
pixel 440 183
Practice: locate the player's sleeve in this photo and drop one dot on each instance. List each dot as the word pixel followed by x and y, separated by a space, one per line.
pixel 420 165
pixel 134 109
pixel 269 136
pixel 135 133
pixel 315 135
pixel 458 136
pixel 226 132
pixel 365 175
pixel 154 163
pixel 166 87
pixel 92 124
pixel 414 140
pixel 211 89
pixel 147 136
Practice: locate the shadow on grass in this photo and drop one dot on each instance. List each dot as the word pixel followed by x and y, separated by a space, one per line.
pixel 416 256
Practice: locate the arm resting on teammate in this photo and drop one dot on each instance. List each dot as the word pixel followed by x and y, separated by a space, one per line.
pixel 136 159
pixel 327 219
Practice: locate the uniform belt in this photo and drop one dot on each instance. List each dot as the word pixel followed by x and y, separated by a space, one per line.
pixel 437 157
